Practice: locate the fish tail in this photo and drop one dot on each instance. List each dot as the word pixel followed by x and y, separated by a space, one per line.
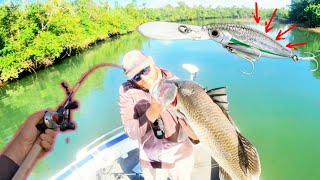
pixel 311 58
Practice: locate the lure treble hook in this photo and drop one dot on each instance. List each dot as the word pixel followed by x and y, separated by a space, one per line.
pixel 251 61
pixel 249 73
pixel 313 58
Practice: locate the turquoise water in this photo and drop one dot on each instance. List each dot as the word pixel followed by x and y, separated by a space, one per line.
pixel 276 108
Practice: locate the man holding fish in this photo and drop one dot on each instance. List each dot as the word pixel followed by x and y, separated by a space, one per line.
pixel 165 140
pixel 142 99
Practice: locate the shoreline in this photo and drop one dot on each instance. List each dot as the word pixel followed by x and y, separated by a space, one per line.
pixel 316 29
pixel 63 55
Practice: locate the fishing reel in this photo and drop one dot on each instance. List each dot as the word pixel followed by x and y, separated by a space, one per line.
pixel 60 118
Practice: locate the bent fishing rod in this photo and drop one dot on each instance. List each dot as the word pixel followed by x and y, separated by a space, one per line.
pixel 57 119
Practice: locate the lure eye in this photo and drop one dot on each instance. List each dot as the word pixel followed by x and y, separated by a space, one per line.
pixel 184 29
pixel 215 33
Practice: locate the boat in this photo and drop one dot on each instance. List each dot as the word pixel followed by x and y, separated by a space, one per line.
pixel 115 156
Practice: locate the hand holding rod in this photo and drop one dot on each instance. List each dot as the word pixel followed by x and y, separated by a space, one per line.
pixel 59 119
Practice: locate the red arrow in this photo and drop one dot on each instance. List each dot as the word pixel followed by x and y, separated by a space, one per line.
pixel 267 29
pixel 281 34
pixel 256 16
pixel 291 46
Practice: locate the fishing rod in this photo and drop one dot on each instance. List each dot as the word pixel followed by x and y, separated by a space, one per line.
pixel 57 119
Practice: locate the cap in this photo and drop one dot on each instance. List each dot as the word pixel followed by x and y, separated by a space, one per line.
pixel 133 62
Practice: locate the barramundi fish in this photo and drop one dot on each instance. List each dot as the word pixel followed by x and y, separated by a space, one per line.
pixel 241 40
pixel 206 113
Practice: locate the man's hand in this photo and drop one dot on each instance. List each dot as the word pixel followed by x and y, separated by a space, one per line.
pixel 22 143
pixel 193 137
pixel 154 110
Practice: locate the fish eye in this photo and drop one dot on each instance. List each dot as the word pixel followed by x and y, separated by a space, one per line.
pixel 215 33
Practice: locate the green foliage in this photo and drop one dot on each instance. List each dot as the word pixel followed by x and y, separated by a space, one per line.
pixel 36 34
pixel 306 12
pixel 183 12
pixel 313 13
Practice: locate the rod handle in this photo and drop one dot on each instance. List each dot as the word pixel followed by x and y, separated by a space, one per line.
pixel 29 161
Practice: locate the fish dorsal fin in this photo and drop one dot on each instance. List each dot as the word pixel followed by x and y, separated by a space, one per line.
pixel 223 175
pixel 219 96
pixel 249 53
pixel 249 157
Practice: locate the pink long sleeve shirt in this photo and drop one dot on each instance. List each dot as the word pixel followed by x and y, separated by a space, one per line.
pixel 154 153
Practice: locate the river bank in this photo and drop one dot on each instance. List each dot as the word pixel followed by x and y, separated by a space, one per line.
pixel 317 29
pixel 65 54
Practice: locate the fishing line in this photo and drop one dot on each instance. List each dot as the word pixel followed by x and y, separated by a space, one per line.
pixel 91 70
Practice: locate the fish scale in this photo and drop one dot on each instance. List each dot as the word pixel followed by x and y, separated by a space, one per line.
pixel 213 129
pixel 216 132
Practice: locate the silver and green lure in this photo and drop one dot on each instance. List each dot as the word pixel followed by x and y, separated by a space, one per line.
pixel 241 40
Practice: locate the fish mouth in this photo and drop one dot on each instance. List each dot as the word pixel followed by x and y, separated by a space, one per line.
pixel 164 92
pixel 164 89
pixel 174 102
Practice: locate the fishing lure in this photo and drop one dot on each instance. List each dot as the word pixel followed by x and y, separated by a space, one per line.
pixel 250 43
pixel 240 40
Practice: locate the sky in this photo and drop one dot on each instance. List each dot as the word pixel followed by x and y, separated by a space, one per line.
pixel 213 3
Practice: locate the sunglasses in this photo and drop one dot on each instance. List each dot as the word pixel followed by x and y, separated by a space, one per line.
pixel 144 71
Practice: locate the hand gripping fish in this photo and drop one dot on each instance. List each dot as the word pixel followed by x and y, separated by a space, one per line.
pixel 241 40
pixel 206 113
